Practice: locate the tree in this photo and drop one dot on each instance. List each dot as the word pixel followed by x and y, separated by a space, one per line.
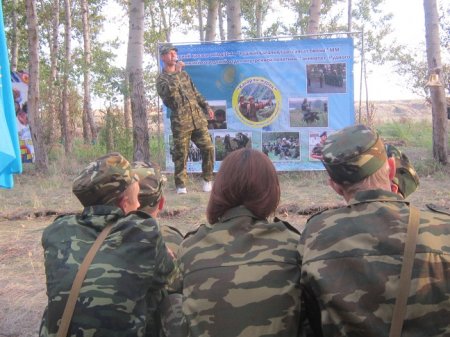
pixel 135 56
pixel 33 88
pixel 314 15
pixel 87 109
pixel 437 93
pixel 14 42
pixel 234 31
pixel 66 130
pixel 211 20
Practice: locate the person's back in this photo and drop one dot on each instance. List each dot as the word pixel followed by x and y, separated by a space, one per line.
pixel 123 284
pixel 240 271
pixel 352 256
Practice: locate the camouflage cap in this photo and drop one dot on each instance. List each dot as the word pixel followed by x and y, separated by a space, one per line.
pixel 151 183
pixel 165 48
pixel 352 154
pixel 103 180
pixel 406 177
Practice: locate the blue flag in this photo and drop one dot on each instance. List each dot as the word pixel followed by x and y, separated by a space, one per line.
pixel 10 160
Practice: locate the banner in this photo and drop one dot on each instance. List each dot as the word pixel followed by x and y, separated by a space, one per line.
pixel 281 97
pixel 10 162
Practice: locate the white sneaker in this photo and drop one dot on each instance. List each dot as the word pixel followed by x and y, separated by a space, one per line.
pixel 181 190
pixel 207 186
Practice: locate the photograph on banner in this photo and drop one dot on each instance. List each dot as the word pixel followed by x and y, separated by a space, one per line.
pixel 20 81
pixel 316 142
pixel 308 112
pixel 227 142
pixel 281 145
pixel 220 115
pixel 326 78
pixel 261 87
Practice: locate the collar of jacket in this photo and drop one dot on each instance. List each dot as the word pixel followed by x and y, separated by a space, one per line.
pixel 236 212
pixel 376 195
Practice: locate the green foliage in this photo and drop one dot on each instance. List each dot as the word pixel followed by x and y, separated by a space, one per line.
pixel 113 136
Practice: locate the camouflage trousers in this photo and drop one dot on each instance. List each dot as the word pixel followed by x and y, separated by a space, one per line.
pixel 202 139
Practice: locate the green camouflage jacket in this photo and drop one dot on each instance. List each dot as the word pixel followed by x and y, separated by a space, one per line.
pixel 188 107
pixel 241 277
pixel 351 260
pixel 123 286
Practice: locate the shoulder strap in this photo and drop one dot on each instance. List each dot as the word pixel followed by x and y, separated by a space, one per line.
pixel 405 274
pixel 77 283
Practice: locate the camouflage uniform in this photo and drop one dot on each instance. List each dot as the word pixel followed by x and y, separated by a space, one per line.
pixel 188 122
pixel 124 284
pixel 151 183
pixel 240 277
pixel 352 256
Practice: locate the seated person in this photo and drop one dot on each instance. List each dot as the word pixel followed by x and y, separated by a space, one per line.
pixel 240 272
pixel 129 271
pixel 352 256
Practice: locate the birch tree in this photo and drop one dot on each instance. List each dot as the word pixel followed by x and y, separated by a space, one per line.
pixel 314 16
pixel 211 20
pixel 34 114
pixel 66 130
pixel 135 57
pixel 87 109
pixel 233 9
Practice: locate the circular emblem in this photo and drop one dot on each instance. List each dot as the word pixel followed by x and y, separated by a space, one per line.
pixel 256 101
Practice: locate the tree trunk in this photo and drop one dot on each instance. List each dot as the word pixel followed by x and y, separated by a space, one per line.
pixel 221 26
pixel 87 109
pixel 141 143
pixel 314 17
pixel 200 20
pixel 165 25
pixel 14 43
pixel 234 31
pixel 437 93
pixel 34 115
pixel 54 87
pixel 349 16
pixel 211 21
pixel 66 131
pixel 258 17
pixel 127 102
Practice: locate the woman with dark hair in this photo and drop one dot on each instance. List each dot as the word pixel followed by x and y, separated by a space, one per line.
pixel 241 272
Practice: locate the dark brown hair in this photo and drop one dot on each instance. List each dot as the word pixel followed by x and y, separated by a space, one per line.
pixel 246 177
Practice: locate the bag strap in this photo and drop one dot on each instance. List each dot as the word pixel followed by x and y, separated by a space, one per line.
pixel 78 282
pixel 405 274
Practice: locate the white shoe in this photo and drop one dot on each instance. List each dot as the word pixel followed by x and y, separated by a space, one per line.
pixel 181 190
pixel 207 186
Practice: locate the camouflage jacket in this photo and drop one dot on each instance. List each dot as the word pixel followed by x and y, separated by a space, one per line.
pixel 188 107
pixel 241 277
pixel 351 260
pixel 123 286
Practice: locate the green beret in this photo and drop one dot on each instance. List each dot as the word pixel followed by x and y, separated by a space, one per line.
pixel 104 180
pixel 165 48
pixel 406 177
pixel 352 154
pixel 151 183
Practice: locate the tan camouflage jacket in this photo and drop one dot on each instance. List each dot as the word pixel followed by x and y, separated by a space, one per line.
pixel 189 109
pixel 240 277
pixel 351 260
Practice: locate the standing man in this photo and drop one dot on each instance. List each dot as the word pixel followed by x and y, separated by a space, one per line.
pixel 352 257
pixel 188 118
